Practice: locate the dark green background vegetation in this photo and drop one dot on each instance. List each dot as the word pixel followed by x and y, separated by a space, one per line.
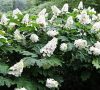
pixel 34 6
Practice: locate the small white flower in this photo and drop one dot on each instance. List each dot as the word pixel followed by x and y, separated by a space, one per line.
pixel 63 47
pixel 95 50
pixel 69 22
pixel 65 8
pixel 51 83
pixel 80 6
pixel 4 20
pixel 49 48
pixel 80 43
pixel 55 10
pixel 11 24
pixel 43 13
pixel 91 10
pixel 94 17
pixel 16 12
pixel 98 16
pixel 96 26
pixel 16 69
pixel 20 88
pixel 25 19
pixel 18 36
pixel 97 44
pixel 41 20
pixel 52 33
pixel 34 38
pixel 84 18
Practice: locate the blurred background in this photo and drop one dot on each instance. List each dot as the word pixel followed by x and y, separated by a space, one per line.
pixel 34 6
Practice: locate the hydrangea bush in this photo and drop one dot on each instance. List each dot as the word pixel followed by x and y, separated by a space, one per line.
pixel 35 51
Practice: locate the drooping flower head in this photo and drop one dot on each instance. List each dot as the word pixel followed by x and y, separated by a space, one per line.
pixel 49 48
pixel 84 18
pixel 51 83
pixel 80 43
pixel 63 47
pixel 16 12
pixel 4 20
pixel 52 33
pixel 96 26
pixel 43 13
pixel 65 8
pixel 18 36
pixel 16 69
pixel 34 38
pixel 42 21
pixel 80 6
pixel 20 88
pixel 25 19
pixel 94 50
pixel 69 23
pixel 55 10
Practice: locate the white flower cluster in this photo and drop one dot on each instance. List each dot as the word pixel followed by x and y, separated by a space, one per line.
pixel 34 38
pixel 16 12
pixel 65 8
pixel 18 36
pixel 91 10
pixel 49 48
pixel 63 47
pixel 25 19
pixel 98 16
pixel 80 43
pixel 51 83
pixel 94 17
pixel 43 13
pixel 11 24
pixel 41 18
pixel 69 22
pixel 96 26
pixel 20 88
pixel 95 50
pixel 84 18
pixel 16 69
pixel 52 33
pixel 4 20
pixel 55 10
pixel 80 6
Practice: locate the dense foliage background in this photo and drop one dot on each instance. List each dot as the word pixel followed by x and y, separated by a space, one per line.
pixel 33 6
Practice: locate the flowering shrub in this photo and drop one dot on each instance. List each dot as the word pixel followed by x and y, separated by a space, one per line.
pixel 34 50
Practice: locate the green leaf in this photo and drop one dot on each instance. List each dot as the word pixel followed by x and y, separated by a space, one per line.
pixel 63 38
pixel 85 75
pixel 29 61
pixel 49 62
pixel 6 81
pixel 27 83
pixel 27 53
pixel 96 63
pixel 3 68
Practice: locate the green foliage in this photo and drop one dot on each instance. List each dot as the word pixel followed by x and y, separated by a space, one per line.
pixel 3 68
pixel 96 63
pixel 6 81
